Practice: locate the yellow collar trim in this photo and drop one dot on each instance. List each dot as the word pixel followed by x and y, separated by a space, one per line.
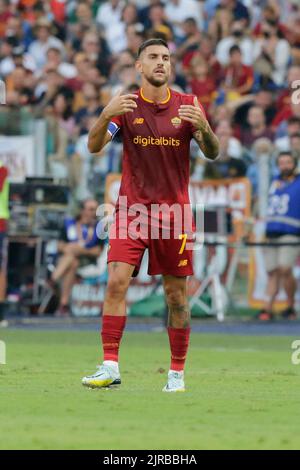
pixel 150 101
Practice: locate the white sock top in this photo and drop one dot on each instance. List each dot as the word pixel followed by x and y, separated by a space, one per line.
pixel 181 372
pixel 113 364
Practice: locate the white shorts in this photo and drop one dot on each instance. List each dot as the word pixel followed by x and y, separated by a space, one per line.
pixel 282 256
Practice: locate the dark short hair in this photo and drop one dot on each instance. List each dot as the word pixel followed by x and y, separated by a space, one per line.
pixel 152 42
pixel 284 153
pixel 234 48
pixel 293 120
pixel 287 153
pixel 82 204
pixel 191 20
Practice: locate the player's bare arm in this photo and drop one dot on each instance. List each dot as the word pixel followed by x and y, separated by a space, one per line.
pixel 204 136
pixel 118 105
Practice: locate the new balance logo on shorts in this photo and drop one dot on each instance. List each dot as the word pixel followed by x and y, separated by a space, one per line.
pixel 183 262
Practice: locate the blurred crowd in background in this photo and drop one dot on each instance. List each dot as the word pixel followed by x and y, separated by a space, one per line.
pixel 63 60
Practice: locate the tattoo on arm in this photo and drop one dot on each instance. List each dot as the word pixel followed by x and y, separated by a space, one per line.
pixel 208 142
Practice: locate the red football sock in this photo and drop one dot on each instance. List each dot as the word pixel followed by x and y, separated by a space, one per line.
pixel 179 343
pixel 112 331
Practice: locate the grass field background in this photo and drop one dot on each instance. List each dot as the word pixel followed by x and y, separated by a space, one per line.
pixel 242 393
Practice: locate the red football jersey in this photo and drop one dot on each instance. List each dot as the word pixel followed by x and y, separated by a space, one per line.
pixel 156 148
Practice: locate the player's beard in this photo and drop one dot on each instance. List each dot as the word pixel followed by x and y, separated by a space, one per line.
pixel 156 82
pixel 286 174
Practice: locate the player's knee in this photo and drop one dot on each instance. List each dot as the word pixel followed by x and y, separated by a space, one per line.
pixel 116 288
pixel 285 271
pixel 273 273
pixel 175 296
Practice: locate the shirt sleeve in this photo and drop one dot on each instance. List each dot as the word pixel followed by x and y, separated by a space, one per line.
pixel 114 126
pixel 3 176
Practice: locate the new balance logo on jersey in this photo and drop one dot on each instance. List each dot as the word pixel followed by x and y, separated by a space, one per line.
pixel 138 121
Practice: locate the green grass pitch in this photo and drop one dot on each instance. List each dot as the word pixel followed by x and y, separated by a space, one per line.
pixel 242 393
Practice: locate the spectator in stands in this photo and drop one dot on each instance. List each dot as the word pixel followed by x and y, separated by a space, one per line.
pixel 116 33
pixel 220 25
pixel 202 84
pixel 206 51
pixel 229 145
pixel 238 78
pixel 109 13
pixel 295 54
pixel 49 85
pixel 12 56
pixel 61 124
pixel 144 12
pixel 261 148
pixel 179 10
pixel 94 49
pixel 82 65
pixel 19 31
pixel 272 53
pixel 281 119
pixel 264 98
pixel 19 80
pixel 285 96
pixel 221 113
pixel 283 226
pixel 85 167
pixel 293 25
pixel 125 59
pixel 293 127
pixel 55 62
pixel 135 36
pixel 229 163
pixel 270 13
pixel 6 57
pixel 44 40
pixel 257 127
pixel 158 23
pixel 238 9
pixel 90 106
pixel 190 43
pixel 83 15
pixel 5 14
pixel 238 37
pixel 78 246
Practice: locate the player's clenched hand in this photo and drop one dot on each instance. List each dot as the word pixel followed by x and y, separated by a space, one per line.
pixel 194 115
pixel 120 104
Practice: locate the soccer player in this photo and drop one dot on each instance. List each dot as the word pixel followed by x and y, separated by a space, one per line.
pixel 157 125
